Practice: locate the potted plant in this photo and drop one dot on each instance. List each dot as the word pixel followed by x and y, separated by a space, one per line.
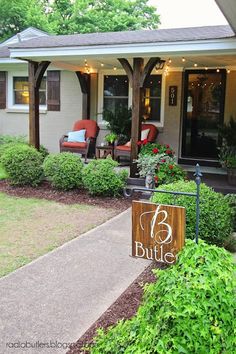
pixel 227 152
pixel 119 122
pixel 110 138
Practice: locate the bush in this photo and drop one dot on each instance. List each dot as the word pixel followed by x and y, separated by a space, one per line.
pixel 23 164
pixel 7 141
pixel 169 173
pixel 215 212
pixel 189 309
pixel 64 170
pixel 100 178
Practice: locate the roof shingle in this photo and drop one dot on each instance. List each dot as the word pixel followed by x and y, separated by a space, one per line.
pixel 129 37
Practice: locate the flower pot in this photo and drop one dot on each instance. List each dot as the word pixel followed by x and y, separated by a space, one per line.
pixel 231 176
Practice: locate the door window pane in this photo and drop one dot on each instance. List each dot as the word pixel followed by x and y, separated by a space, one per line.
pixel 204 101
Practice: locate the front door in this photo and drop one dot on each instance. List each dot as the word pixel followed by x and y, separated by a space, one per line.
pixel 203 114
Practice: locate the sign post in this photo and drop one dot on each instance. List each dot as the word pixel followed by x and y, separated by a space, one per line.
pixel 158 231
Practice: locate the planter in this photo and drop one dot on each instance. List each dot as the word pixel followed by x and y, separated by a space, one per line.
pixel 231 176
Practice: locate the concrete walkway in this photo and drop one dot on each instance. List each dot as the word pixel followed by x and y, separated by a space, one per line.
pixel 57 297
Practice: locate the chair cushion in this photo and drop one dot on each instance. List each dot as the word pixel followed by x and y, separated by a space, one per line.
pixel 123 148
pixel 152 133
pixel 144 134
pixel 77 136
pixel 90 126
pixel 128 143
pixel 74 145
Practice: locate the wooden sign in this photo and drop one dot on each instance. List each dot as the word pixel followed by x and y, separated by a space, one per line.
pixel 158 231
pixel 173 95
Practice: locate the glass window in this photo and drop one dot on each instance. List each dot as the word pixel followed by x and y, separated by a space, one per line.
pixel 21 91
pixel 116 88
pixel 152 98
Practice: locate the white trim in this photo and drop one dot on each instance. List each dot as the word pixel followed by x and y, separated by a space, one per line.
pixel 200 47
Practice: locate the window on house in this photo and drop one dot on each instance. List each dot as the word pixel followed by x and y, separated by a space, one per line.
pixel 21 91
pixel 116 90
pixel 152 98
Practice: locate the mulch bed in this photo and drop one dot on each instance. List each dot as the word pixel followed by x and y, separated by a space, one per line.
pixel 124 307
pixel 76 196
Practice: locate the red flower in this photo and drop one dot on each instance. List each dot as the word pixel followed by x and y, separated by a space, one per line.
pixel 169 152
pixel 171 167
pixel 145 141
pixel 163 160
pixel 155 151
pixel 156 179
pixel 167 146
pixel 139 143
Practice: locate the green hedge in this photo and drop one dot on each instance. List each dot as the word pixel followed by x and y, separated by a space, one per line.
pixel 189 309
pixel 23 165
pixel 64 170
pixel 216 214
pixel 100 178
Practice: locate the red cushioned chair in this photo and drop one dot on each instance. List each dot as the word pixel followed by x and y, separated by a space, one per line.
pixel 125 150
pixel 92 130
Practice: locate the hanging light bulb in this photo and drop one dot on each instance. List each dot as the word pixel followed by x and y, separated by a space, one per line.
pixel 102 64
pixel 228 71
pixel 114 68
pixel 217 70
pixel 206 68
pixel 183 59
pixel 195 65
pixel 169 61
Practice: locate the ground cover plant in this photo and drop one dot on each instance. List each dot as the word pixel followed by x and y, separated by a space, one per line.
pixel 189 309
pixel 216 213
pixel 31 227
pixel 63 170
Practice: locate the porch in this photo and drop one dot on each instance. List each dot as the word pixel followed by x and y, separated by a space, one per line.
pixel 140 56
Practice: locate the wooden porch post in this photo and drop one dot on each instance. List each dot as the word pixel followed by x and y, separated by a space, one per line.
pixel 36 71
pixel 84 80
pixel 138 76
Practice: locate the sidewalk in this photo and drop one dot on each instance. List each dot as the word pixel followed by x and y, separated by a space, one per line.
pixel 60 295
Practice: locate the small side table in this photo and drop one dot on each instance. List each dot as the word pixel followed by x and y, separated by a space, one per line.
pixel 107 150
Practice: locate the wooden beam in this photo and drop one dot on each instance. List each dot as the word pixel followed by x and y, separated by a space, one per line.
pixel 84 80
pixel 128 69
pixel 42 67
pixel 138 64
pixel 152 62
pixel 36 71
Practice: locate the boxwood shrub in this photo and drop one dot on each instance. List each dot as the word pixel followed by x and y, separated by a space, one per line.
pixel 64 170
pixel 216 215
pixel 100 177
pixel 189 309
pixel 23 164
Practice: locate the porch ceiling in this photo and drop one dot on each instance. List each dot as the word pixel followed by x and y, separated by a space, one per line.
pixel 93 65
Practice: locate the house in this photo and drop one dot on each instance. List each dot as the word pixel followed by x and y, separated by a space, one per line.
pixel 183 79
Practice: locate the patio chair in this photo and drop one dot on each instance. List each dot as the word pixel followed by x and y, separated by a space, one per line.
pixel 148 131
pixel 82 139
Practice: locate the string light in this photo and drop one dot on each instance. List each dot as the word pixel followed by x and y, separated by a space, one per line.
pixel 102 64
pixel 217 70
pixel 114 68
pixel 169 61
pixel 183 59
pixel 195 64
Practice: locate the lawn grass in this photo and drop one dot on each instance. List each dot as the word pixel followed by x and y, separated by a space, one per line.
pixel 30 228
pixel 3 173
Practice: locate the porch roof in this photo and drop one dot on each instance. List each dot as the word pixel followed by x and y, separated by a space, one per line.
pixel 129 37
